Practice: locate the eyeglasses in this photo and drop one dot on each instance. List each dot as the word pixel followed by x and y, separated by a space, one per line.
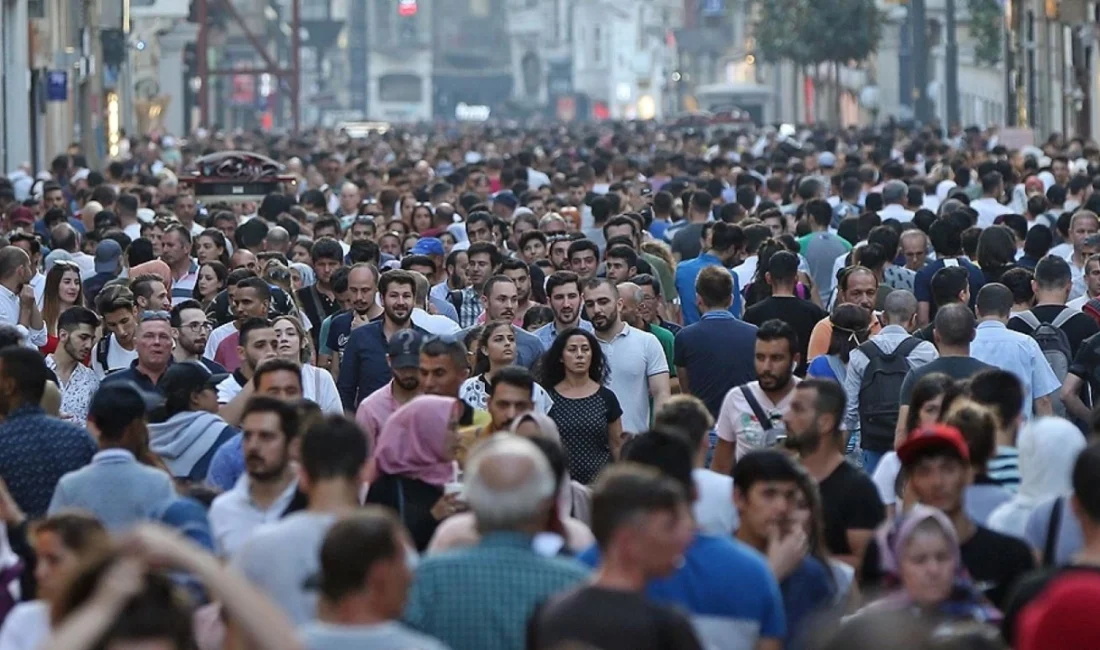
pixel 151 315
pixel 198 326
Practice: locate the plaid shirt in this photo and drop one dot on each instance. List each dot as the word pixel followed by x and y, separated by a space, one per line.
pixel 480 598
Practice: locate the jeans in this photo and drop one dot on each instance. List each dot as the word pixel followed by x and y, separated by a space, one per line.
pixel 712 442
pixel 871 460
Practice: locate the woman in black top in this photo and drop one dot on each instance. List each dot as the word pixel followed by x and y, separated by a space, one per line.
pixel 415 460
pixel 588 414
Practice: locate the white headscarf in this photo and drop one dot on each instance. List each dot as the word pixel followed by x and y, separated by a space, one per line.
pixel 1048 448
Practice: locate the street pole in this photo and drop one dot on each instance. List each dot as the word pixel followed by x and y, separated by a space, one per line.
pixel 922 106
pixel 92 89
pixel 951 66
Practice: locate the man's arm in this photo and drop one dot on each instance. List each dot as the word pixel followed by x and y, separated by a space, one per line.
pixel 348 382
pixel 1043 406
pixel 31 318
pixel 858 540
pixel 659 390
pixel 685 385
pixel 853 380
pixel 723 457
pixel 923 309
pixel 1071 397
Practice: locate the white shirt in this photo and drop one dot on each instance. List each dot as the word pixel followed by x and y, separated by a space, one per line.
pixel 319 388
pixel 76 395
pixel 896 211
pixel 536 179
pixel 633 356
pixel 228 389
pixel 434 323
pixel 220 333
pixel 86 263
pixel 27 626
pixel 9 313
pixel 38 283
pixel 118 357
pixel 1078 303
pixel 714 511
pixel 133 231
pixel 234 516
pixel 988 210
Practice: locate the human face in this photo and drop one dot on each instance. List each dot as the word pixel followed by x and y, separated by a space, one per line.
pixel 262 345
pixel 522 278
pixel 926 566
pixel 208 250
pixel 534 250
pixel 1092 278
pixel 774 364
pixel 930 411
pixel 915 249
pixel 479 269
pixel 647 308
pixel 501 347
pixel 324 268
pixel 479 232
pixel 397 303
pixel 775 224
pixel 78 343
pixel 565 300
pixel 939 481
pixel 862 289
pixel 577 355
pixel 247 304
pixel 558 251
pixel 617 270
pixel 158 299
pixel 173 248
pixel 1083 228
pixel 265 446
pixel 185 208
pixel 154 343
pixel 584 264
pixel 281 384
pixel 440 376
pixel 501 304
pixel 299 254
pixel 55 561
pixel 122 323
pixel 407 378
pixel 69 289
pixel 245 260
pixel 421 219
pixel 457 272
pixel 801 421
pixel 602 307
pixel 1061 171
pixel 506 403
pixel 660 540
pixel 624 230
pixel 205 400
pixel 208 282
pixel 390 245
pixel 289 343
pixel 55 199
pixel 576 195
pixel 228 227
pixel 349 199
pixel 362 289
pixel 193 331
pixel 766 508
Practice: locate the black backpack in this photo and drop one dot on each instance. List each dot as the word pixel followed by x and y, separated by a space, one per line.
pixel 880 393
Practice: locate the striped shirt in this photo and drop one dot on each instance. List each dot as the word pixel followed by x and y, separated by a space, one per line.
pixel 184 286
pixel 1004 467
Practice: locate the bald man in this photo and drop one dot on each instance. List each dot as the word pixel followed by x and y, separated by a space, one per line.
pixel 277 240
pixel 873 421
pixel 17 303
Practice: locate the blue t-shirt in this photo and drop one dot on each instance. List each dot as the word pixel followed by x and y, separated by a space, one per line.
pixel 806 590
pixel 339 331
pixel 728 590
pixel 922 285
pixel 718 335
pixel 820 368
pixel 686 273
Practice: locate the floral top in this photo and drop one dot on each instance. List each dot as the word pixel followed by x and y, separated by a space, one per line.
pixel 77 393
pixel 475 392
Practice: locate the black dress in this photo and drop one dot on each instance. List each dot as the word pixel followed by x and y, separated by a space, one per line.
pixel 583 424
pixel 412 500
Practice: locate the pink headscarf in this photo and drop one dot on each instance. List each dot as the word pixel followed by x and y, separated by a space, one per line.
pixel 154 267
pixel 412 441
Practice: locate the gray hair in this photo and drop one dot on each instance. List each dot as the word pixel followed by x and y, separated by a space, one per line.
pixel 509 483
pixel 900 306
pixel 894 192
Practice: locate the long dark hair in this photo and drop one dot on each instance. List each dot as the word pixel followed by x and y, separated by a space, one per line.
pixel 928 388
pixel 481 365
pixel 220 272
pixel 219 241
pixel 851 328
pixel 553 368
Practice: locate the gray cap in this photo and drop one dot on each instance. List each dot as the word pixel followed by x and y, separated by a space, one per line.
pixel 894 192
pixel 107 255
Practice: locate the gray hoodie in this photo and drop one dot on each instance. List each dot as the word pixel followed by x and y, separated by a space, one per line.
pixel 187 438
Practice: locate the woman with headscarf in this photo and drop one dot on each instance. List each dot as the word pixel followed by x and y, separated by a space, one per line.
pixel 573 534
pixel 415 461
pixel 302 275
pixel 923 564
pixel 1048 449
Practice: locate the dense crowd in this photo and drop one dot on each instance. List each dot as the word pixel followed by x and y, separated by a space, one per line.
pixel 618 386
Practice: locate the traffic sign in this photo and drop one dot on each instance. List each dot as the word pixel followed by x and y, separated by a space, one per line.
pixel 57 86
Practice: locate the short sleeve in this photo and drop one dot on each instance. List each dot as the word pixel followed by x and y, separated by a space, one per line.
pixel 322 337
pixel 331 336
pixel 864 507
pixel 678 351
pixel 655 360
pixel 907 387
pixel 1086 358
pixel 820 369
pixel 611 404
pixel 728 425
pixel 922 287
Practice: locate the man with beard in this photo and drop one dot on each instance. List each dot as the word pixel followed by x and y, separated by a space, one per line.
pixel 500 298
pixel 75 336
pixel 257 344
pixel 362 294
pixel 404 359
pixel 563 289
pixel 268 427
pixel 638 370
pixel 153 342
pixel 849 499
pixel 190 330
pixel 752 414
pixel 520 274
pixel 857 285
pixel 363 368
pixel 251 299
pixel 444 365
pixel 456 289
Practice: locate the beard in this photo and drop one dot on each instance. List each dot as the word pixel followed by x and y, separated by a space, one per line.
pixel 770 382
pixel 603 323
pixel 807 442
pixel 193 346
pixel 71 350
pixel 259 470
pixel 407 383
pixel 398 319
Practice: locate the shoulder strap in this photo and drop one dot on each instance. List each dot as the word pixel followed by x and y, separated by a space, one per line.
pixel 102 349
pixel 757 409
pixel 907 346
pixel 1063 317
pixel 1053 526
pixel 1030 318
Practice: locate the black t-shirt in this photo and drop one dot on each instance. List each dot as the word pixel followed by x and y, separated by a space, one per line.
pixel 994 561
pixel 953 367
pixel 801 315
pixel 608 619
pixel 1086 363
pixel 926 333
pixel 850 502
pixel 1077 329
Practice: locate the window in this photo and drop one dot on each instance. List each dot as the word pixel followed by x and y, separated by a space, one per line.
pixel 400 88
pixel 597 47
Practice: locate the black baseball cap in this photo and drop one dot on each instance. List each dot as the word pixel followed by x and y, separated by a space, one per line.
pixel 118 403
pixel 188 376
pixel 404 349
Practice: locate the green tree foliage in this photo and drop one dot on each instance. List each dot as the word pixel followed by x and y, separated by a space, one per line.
pixel 808 32
pixel 780 31
pixel 986 17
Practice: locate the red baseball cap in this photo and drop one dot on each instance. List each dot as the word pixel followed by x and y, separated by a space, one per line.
pixel 1063 615
pixel 939 436
pixel 21 215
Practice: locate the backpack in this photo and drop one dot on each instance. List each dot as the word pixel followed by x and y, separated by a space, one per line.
pixel 102 349
pixel 1055 346
pixel 880 393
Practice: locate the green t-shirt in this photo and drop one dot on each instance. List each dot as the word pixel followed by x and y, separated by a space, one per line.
pixel 664 275
pixel 667 342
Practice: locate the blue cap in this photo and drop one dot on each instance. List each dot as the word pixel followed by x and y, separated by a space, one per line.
pixel 506 197
pixel 428 246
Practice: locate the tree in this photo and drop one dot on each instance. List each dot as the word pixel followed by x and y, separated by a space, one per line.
pixel 986 17
pixel 779 32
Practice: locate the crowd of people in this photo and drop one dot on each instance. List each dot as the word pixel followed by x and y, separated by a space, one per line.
pixel 615 386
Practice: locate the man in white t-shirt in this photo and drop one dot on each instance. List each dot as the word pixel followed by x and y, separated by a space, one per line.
pixel 636 360
pixel 751 416
pixel 116 351
pixel 1091 280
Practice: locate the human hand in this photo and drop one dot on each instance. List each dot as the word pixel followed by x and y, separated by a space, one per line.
pixel 785 551
pixel 26 296
pixel 447 505
pixel 161 546
pixel 121 581
pixel 10 512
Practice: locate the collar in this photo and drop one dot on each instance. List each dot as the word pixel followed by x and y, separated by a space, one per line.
pixel 894 329
pixel 114 455
pixel 709 259
pixel 506 539
pixel 26 410
pixel 718 314
pixel 992 324
pixel 240 378
pixel 6 292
